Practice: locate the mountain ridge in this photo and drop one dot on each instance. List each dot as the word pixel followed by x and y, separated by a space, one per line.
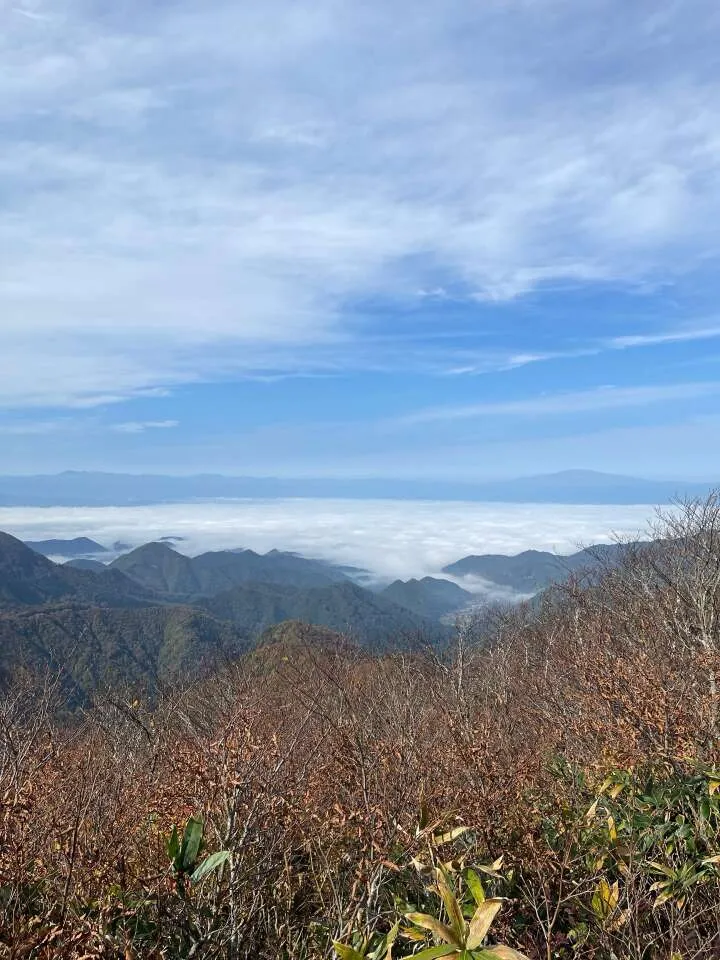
pixel 104 628
pixel 75 548
pixel 85 488
pixel 29 578
pixel 533 570
pixel 429 597
pixel 163 569
pixel 346 608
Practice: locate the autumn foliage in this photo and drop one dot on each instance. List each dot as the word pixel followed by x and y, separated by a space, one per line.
pixel 576 738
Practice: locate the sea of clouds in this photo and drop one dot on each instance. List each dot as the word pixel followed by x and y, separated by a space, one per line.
pixel 390 538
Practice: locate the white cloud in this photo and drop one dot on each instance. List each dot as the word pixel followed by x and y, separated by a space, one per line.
pixel 510 361
pixel 192 191
pixel 30 428
pixel 604 398
pixel 681 335
pixel 140 426
pixel 390 538
pixel 29 14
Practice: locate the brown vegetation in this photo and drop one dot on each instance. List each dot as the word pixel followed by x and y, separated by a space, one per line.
pixel 578 740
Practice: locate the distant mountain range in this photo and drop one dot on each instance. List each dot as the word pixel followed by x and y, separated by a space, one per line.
pixel 109 489
pixel 158 567
pixel 78 547
pixel 86 563
pixel 533 570
pixel 154 615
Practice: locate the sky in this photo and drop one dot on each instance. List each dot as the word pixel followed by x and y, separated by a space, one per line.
pixel 348 238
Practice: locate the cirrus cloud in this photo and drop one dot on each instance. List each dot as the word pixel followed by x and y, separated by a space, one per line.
pixel 140 426
pixel 195 193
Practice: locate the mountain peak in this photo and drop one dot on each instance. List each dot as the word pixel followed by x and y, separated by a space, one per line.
pixel 27 577
pixel 18 558
pixel 156 548
pixel 77 547
pixel 160 568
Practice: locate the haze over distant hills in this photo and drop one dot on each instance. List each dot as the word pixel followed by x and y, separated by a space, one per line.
pixel 75 548
pixel 533 570
pixel 75 488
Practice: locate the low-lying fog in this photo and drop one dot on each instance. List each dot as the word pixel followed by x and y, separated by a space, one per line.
pixel 390 538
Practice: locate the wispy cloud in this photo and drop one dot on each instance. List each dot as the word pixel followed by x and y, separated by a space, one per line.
pixel 191 191
pixel 682 335
pixel 30 428
pixel 511 361
pixel 140 426
pixel 604 398
pixel 30 14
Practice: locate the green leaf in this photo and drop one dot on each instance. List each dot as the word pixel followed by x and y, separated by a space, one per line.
pixel 449 836
pixel 475 886
pixel 173 846
pixel 210 863
pixel 424 815
pixel 452 906
pixel 431 953
pixel 605 899
pixel 347 953
pixel 192 839
pixel 390 940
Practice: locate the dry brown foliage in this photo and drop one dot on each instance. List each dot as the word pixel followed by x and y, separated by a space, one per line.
pixel 309 764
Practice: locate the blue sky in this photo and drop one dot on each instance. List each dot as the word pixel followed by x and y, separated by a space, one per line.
pixel 344 238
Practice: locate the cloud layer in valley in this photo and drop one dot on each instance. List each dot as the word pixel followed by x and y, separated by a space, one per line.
pixel 389 538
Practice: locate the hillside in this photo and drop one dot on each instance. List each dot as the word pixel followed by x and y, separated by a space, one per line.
pixel 27 578
pixel 293 646
pixel 86 563
pixel 93 647
pixel 527 572
pixel 296 633
pixel 345 607
pixel 225 569
pixel 106 626
pixel 430 597
pixel 77 547
pixel 534 570
pixel 159 567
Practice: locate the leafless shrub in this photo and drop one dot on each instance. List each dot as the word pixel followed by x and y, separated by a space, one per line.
pixel 309 764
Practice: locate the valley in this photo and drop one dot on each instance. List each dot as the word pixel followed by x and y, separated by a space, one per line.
pixel 154 616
